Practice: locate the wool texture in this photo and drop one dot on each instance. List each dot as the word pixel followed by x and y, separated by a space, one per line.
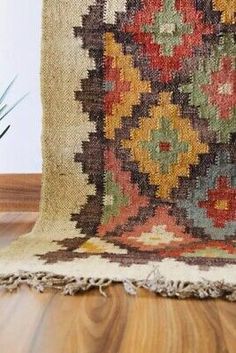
pixel 139 150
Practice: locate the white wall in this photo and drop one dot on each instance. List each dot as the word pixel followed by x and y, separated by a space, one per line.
pixel 20 35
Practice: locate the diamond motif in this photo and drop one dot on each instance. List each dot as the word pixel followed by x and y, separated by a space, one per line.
pixel 158 232
pixel 157 236
pixel 168 28
pixel 168 31
pixel 221 203
pixel 152 160
pixel 221 90
pixel 211 205
pixel 211 86
pixel 163 173
pixel 164 145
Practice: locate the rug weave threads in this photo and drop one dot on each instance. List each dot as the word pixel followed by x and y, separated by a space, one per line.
pixel 139 145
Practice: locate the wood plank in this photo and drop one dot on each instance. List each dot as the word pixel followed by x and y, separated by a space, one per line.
pixel 14 224
pixel 90 323
pixel 19 192
pixel 227 314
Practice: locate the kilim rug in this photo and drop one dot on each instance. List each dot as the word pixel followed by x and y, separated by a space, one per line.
pixel 139 147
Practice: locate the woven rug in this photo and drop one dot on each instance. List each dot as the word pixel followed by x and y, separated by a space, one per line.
pixel 139 133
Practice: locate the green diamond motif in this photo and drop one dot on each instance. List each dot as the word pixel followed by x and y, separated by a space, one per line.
pixel 201 77
pixel 168 28
pixel 164 145
pixel 114 198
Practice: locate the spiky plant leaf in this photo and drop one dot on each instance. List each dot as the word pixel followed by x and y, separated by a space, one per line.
pixel 3 109
pixel 4 131
pixel 12 107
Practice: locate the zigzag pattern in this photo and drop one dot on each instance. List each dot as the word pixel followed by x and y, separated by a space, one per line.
pixel 163 157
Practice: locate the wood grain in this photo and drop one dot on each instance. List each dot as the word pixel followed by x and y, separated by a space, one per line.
pixel 89 323
pixel 19 192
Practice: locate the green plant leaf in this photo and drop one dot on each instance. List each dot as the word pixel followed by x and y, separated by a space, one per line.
pixel 13 106
pixel 7 89
pixel 4 131
pixel 3 108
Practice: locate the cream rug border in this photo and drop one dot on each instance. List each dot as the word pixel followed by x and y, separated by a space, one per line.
pixel 64 64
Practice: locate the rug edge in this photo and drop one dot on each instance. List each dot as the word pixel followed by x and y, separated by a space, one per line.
pixel 41 281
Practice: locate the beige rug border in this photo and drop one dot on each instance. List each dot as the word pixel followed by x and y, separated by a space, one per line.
pixel 61 56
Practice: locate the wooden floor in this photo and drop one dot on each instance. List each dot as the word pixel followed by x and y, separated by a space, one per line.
pixel 90 323
pixel 20 192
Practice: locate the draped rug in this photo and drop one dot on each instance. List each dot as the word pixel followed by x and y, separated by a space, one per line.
pixel 139 134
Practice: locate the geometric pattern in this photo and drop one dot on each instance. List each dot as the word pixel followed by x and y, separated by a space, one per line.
pixel 212 202
pixel 165 145
pixel 123 85
pixel 227 9
pixel 212 88
pixel 163 157
pixel 168 31
pixel 121 197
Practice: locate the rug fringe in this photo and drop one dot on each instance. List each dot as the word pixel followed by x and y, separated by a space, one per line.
pixel 157 284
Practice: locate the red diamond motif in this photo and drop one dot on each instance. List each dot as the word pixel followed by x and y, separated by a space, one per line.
pixel 168 64
pixel 222 89
pixel 221 203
